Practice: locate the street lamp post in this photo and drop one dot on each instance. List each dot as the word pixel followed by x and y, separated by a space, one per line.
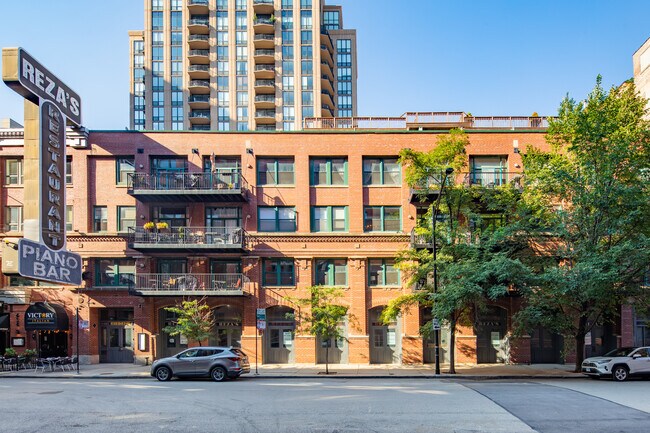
pixel 436 330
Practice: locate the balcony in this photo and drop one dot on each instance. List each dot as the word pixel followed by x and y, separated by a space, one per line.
pixel 427 191
pixel 264 56
pixel 262 41
pixel 265 128
pixel 265 86
pixel 198 26
pixel 327 98
pixel 420 241
pixel 265 117
pixel 326 55
pixel 200 117
pixel 326 71
pixel 327 111
pixel 199 71
pixel 264 25
pixel 187 239
pixel 197 42
pixel 199 101
pixel 199 7
pixel 199 86
pixel 263 6
pixel 264 71
pixel 223 185
pixel 327 84
pixel 199 56
pixel 190 284
pixel 493 178
pixel 264 101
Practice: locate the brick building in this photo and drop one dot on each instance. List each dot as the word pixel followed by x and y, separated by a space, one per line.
pixel 247 219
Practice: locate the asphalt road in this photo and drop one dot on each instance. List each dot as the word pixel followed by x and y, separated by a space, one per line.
pixel 322 406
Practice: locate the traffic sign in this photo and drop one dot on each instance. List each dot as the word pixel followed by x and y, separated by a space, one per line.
pixel 261 314
pixel 261 324
pixel 435 323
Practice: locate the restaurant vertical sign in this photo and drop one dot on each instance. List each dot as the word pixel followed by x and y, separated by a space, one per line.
pixel 43 256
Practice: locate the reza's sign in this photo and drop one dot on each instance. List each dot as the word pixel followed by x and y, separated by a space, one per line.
pixel 35 82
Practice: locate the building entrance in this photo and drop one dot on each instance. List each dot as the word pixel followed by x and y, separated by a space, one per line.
pixel 116 335
pixel 490 329
pixel 385 347
pixel 227 327
pixel 429 349
pixel 279 336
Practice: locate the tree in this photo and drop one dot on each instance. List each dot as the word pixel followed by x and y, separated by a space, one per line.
pixel 587 207
pixel 194 320
pixel 475 263
pixel 323 316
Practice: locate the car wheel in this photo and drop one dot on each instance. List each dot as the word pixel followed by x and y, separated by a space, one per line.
pixel 218 374
pixel 163 374
pixel 620 373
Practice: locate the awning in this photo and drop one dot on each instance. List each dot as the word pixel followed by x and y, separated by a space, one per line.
pixel 46 317
pixel 4 322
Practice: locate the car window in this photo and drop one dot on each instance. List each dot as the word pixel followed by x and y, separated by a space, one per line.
pixel 642 352
pixel 622 351
pixel 189 353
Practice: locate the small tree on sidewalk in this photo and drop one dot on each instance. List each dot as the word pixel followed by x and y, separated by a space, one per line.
pixel 323 315
pixel 194 320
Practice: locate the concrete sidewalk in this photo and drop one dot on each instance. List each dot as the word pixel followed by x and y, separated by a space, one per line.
pixel 341 371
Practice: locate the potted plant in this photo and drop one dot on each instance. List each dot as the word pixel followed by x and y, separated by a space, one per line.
pixel 149 226
pixel 162 226
pixel 10 352
pixel 30 355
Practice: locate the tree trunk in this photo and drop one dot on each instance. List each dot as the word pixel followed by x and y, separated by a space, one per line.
pixel 452 347
pixel 580 343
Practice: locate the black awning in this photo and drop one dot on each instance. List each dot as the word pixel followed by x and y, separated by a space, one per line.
pixel 46 317
pixel 4 322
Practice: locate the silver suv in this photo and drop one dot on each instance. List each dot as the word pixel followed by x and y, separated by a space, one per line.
pixel 619 363
pixel 218 363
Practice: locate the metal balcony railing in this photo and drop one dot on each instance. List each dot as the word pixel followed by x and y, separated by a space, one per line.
pixel 198 2
pixel 265 113
pixel 265 98
pixel 199 98
pixel 263 37
pixel 262 2
pixel 203 53
pixel 187 236
pixel 264 67
pixel 264 21
pixel 161 283
pixel 199 83
pixel 493 178
pixel 264 83
pixel 221 179
pixel 199 114
pixel 264 52
pixel 193 38
pixel 198 22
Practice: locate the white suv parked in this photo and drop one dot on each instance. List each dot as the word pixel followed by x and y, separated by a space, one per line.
pixel 619 363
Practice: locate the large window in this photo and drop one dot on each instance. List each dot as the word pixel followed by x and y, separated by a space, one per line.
pixel 331 272
pixel 114 272
pixel 276 219
pixel 329 219
pixel 278 272
pixel 100 219
pixel 381 171
pixel 223 217
pixel 382 272
pixel 382 219
pixel 14 171
pixel 124 166
pixel 275 171
pixel 14 218
pixel 329 171
pixel 125 218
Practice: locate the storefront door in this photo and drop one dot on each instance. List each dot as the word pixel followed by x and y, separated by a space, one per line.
pixel 279 336
pixel 490 336
pixel 227 327
pixel 545 347
pixel 116 335
pixel 384 340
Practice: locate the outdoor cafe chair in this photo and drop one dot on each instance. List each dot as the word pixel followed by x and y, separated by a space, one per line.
pixel 39 363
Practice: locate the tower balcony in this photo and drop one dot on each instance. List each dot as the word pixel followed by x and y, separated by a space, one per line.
pixel 264 86
pixel 264 56
pixel 187 239
pixel 199 87
pixel 264 101
pixel 199 72
pixel 264 41
pixel 199 117
pixel 199 101
pixel 263 6
pixel 327 84
pixel 328 99
pixel 264 25
pixel 198 26
pixel 327 70
pixel 198 7
pixel 198 42
pixel 265 72
pixel 265 117
pixel 201 57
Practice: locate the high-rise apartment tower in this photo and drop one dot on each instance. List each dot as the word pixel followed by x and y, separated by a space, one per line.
pixel 242 65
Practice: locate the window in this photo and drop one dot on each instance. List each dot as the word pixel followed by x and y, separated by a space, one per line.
pixel 275 171
pixel 125 218
pixel 114 272
pixel 223 217
pixel 14 219
pixel 382 272
pixel 156 20
pixel 382 219
pixel 276 219
pixel 14 171
pixel 100 219
pixel 124 166
pixel 381 171
pixel 329 171
pixel 331 272
pixel 68 170
pixel 278 272
pixel 331 20
pixel 68 218
pixel 329 219
pixel 488 170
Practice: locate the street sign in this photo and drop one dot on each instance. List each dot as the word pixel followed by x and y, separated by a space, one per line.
pixel 84 324
pixel 261 325
pixel 261 314
pixel 435 323
pixel 37 261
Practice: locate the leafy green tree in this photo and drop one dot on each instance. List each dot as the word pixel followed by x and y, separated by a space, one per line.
pixel 323 315
pixel 475 263
pixel 194 320
pixel 587 205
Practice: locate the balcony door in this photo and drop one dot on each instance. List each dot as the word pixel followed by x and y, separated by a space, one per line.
pixel 488 170
pixel 172 266
pixel 174 216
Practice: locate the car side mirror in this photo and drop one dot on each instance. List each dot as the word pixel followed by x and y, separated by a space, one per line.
pixel 636 355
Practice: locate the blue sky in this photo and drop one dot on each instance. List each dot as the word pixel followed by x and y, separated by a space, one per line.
pixel 508 57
